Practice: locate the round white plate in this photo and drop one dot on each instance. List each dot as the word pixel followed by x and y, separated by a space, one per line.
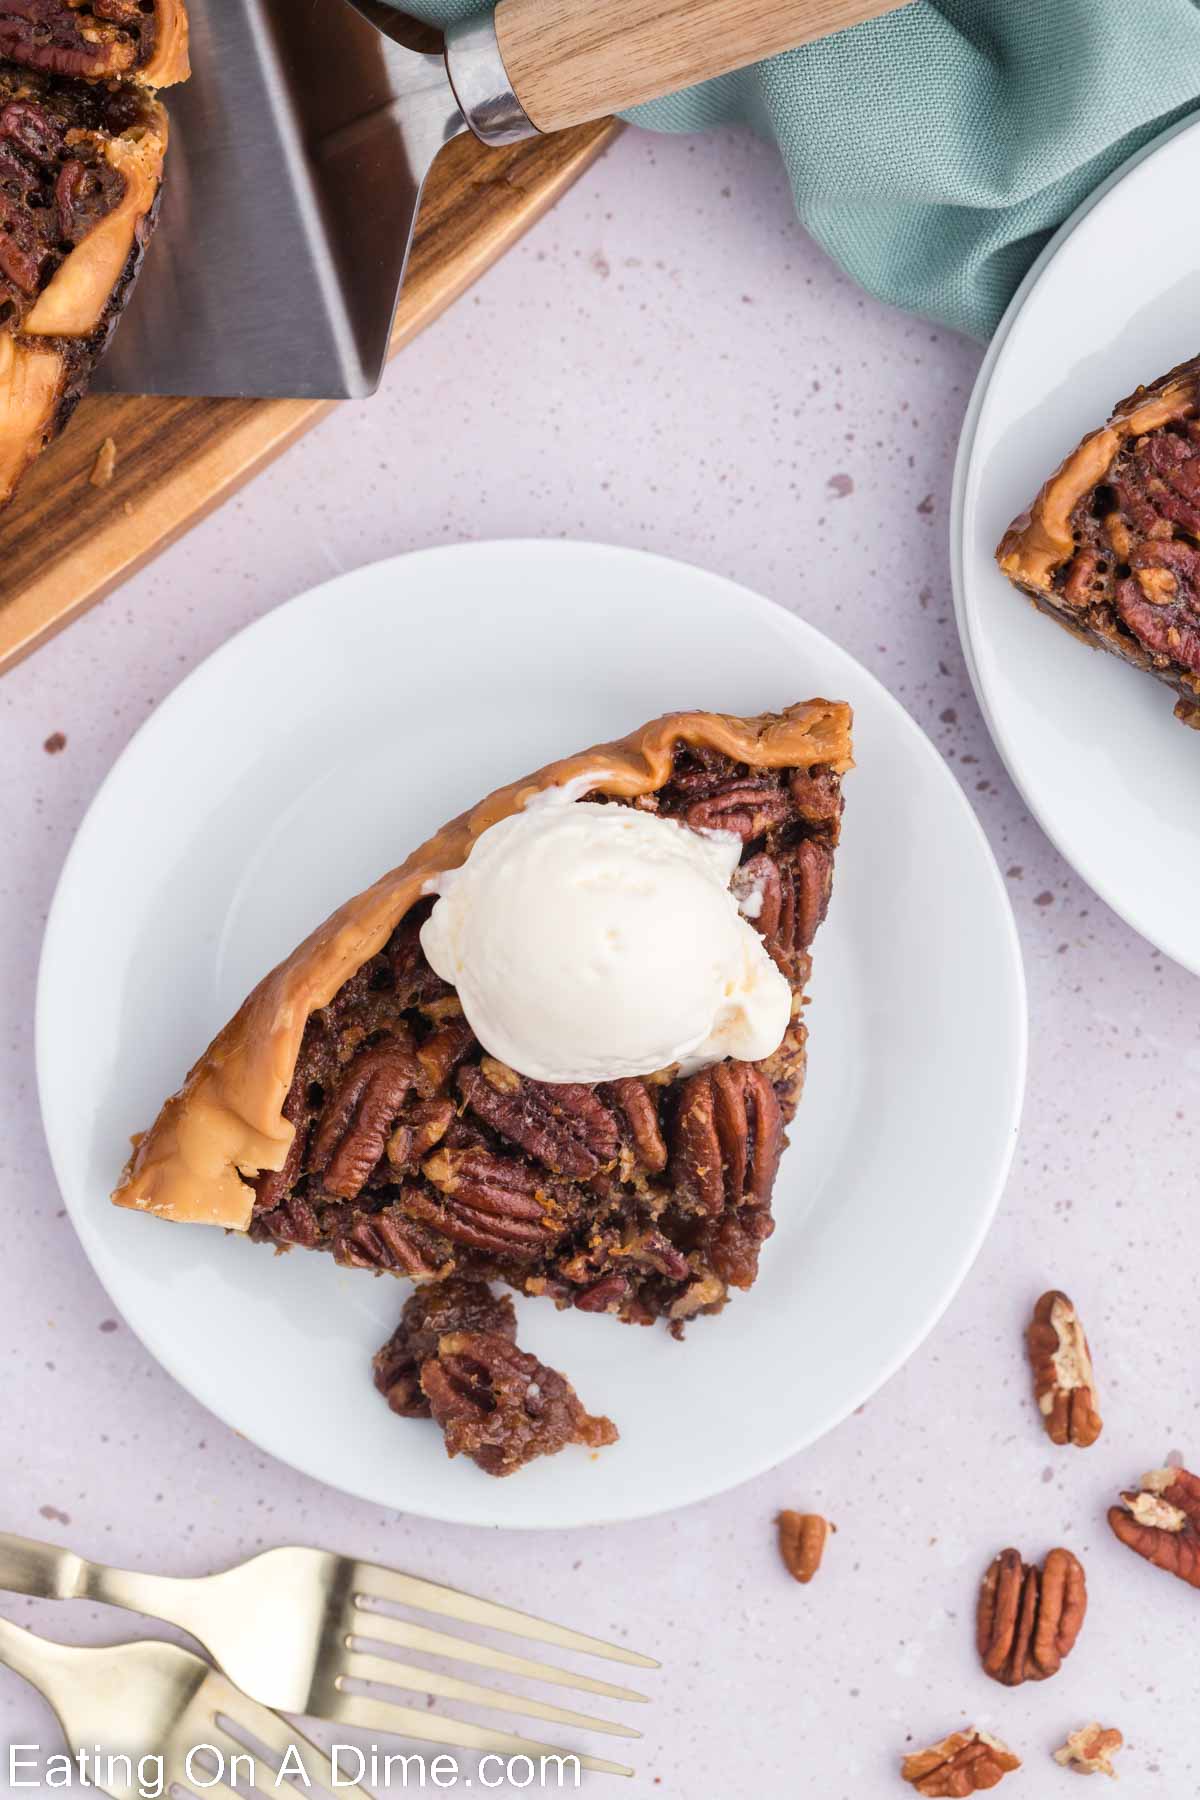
pixel 1111 775
pixel 316 749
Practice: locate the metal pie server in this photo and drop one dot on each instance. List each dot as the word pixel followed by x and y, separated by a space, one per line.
pixel 301 143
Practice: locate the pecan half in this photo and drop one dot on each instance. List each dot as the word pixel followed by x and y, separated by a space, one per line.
pixel 802 1543
pixel 1063 1380
pixel 1161 1521
pixel 1089 1751
pixel 966 1762
pixel 638 1109
pixel 386 1240
pixel 746 805
pixel 1028 1620
pixel 786 897
pixel 728 1137
pixel 490 1202
pixel 564 1124
pixel 366 1104
pixel 501 1407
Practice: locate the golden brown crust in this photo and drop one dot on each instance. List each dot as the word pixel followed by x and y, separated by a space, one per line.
pixel 170 62
pixel 1040 541
pixel 74 301
pixel 227 1120
pixel 32 379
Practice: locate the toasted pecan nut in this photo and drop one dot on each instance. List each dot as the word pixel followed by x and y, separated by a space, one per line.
pixel 366 1105
pixel 1160 1519
pixel 1063 1379
pixel 966 1762
pixel 802 1543
pixel 564 1124
pixel 1089 1751
pixel 728 1137
pixel 1028 1620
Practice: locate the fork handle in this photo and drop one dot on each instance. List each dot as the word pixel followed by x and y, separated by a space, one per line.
pixel 569 63
pixel 29 1567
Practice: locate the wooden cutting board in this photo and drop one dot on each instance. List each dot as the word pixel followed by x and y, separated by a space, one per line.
pixel 65 542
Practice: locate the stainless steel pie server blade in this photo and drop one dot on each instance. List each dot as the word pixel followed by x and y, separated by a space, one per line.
pixel 298 152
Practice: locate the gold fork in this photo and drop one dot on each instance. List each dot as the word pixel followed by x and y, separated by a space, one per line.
pixel 289 1628
pixel 153 1700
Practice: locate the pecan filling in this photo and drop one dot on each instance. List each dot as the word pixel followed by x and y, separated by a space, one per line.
pixel 417 1152
pixel 55 182
pixel 1137 558
pixel 105 38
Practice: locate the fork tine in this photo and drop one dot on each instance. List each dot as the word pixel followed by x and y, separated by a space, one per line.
pixel 230 1747
pixel 406 1634
pixel 408 1721
pixel 452 1603
pixel 361 1666
pixel 269 1729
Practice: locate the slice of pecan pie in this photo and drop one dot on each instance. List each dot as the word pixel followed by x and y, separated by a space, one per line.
pixel 348 1106
pixel 82 140
pixel 1111 546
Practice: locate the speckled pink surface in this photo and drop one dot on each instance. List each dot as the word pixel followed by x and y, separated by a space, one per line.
pixel 666 362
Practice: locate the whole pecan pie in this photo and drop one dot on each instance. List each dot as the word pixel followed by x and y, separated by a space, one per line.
pixel 349 1108
pixel 1111 546
pixel 82 140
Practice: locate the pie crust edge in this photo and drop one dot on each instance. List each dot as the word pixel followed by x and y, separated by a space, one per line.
pixel 226 1124
pixel 1040 541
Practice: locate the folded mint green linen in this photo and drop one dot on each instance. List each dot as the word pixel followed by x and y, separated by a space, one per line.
pixel 933 151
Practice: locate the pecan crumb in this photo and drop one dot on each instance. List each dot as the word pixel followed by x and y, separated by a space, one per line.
pixel 1089 1750
pixel 1063 1379
pixel 55 742
pixel 966 1762
pixel 1028 1619
pixel 1160 1519
pixel 105 464
pixel 802 1543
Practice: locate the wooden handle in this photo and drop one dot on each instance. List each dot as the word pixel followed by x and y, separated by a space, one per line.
pixel 574 60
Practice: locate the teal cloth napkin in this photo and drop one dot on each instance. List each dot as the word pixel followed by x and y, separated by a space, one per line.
pixel 932 152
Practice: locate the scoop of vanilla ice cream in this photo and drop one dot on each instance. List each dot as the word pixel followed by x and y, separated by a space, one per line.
pixel 589 942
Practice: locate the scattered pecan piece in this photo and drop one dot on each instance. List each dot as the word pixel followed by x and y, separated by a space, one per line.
pixel 441 1053
pixel 802 1543
pixel 1089 1751
pixel 1063 1379
pixel 501 1407
pixel 366 1104
pixel 1027 1621
pixel 1161 1521
pixel 564 1124
pixel 966 1762
pixel 728 1137
pixel 456 1304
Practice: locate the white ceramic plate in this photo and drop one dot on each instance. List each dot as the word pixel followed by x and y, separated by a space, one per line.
pixel 316 749
pixel 1111 775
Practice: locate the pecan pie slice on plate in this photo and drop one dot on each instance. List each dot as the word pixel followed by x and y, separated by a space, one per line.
pixel 348 1106
pixel 1111 546
pixel 82 141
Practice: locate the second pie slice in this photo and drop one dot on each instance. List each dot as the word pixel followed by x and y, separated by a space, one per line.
pixel 362 1103
pixel 1110 548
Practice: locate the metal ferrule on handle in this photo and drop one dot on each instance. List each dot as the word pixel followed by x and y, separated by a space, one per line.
pixel 481 84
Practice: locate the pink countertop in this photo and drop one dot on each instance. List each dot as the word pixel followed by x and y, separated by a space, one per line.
pixel 667 362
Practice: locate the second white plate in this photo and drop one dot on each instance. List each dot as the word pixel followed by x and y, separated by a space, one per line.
pixel 316 749
pixel 1111 775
